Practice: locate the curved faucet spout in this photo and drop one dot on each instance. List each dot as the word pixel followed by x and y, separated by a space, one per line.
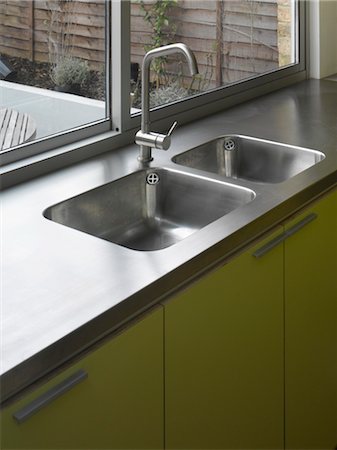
pixel 144 138
pixel 155 53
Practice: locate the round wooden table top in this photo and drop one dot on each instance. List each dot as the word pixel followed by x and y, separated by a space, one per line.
pixel 15 128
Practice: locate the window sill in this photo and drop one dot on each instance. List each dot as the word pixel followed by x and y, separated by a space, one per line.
pixel 51 160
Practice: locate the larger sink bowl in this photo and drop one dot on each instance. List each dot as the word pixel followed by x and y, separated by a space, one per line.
pixel 249 158
pixel 150 209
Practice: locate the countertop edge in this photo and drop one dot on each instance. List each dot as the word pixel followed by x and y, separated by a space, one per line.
pixel 300 115
pixel 96 331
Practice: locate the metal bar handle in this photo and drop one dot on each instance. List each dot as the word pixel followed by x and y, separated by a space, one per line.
pixel 270 245
pixel 43 400
pixel 302 223
pixel 283 236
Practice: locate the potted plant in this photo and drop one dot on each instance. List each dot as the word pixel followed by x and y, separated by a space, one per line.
pixel 70 74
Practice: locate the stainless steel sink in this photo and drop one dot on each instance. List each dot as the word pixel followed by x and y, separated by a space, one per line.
pixel 150 209
pixel 250 159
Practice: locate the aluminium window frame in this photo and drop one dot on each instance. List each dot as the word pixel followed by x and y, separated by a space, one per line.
pixel 223 94
pixel 98 138
pixel 76 134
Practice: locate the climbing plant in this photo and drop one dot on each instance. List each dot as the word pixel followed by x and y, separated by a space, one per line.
pixel 156 15
pixel 167 87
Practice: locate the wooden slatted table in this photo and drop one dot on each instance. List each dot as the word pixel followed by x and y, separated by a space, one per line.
pixel 15 128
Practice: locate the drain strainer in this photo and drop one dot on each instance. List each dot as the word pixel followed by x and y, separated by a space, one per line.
pixel 229 144
pixel 152 178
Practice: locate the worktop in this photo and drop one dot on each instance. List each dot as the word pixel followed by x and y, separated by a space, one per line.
pixel 63 290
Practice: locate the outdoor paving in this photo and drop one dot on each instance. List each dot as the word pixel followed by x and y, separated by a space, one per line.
pixel 53 112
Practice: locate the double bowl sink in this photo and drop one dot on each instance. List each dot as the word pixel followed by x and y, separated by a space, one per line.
pixel 154 208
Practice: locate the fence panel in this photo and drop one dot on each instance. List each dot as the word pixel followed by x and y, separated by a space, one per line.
pixel 229 38
pixel 26 26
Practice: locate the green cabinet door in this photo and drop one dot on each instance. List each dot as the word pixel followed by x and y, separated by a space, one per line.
pixel 224 358
pixel 118 406
pixel 311 328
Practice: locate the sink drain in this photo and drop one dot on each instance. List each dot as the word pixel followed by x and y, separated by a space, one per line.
pixel 152 178
pixel 229 144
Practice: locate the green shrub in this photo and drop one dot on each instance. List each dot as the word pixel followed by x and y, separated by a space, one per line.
pixel 167 94
pixel 70 71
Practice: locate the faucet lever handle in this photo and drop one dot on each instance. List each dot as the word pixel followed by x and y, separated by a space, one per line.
pixel 156 140
pixel 173 127
pixel 163 141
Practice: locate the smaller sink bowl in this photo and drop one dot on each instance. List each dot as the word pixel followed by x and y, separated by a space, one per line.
pixel 150 209
pixel 250 159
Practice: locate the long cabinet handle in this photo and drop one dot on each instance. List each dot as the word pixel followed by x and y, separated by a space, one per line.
pixel 270 245
pixel 43 400
pixel 302 223
pixel 283 236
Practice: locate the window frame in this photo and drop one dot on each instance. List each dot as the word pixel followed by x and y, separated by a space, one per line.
pixel 79 133
pixel 106 135
pixel 221 93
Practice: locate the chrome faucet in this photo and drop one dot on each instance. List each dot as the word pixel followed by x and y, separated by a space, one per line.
pixel 146 138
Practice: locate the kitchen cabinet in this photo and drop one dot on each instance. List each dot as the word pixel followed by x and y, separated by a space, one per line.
pixel 116 401
pixel 245 358
pixel 251 350
pixel 224 338
pixel 311 328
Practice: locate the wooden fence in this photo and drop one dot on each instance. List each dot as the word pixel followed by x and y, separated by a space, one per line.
pixel 231 39
pixel 25 26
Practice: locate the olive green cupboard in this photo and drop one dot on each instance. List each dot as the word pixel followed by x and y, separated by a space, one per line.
pixel 245 358
pixel 224 358
pixel 311 329
pixel 119 405
pixel 251 350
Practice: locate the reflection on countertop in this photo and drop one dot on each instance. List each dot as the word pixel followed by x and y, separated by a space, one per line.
pixel 64 289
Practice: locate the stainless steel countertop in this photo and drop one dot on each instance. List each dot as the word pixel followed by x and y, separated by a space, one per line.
pixel 62 290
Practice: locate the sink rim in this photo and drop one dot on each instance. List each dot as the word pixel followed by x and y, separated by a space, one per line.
pixel 188 172
pixel 233 194
pixel 298 149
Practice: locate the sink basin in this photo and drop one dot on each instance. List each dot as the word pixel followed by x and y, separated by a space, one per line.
pixel 150 209
pixel 250 159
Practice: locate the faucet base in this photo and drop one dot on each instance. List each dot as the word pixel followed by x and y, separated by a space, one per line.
pixel 145 154
pixel 144 160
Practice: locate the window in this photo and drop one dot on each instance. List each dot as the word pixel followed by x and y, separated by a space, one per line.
pixel 52 69
pixel 233 40
pixel 70 68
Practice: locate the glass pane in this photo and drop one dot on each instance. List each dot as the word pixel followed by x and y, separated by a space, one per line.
pixel 52 67
pixel 232 41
